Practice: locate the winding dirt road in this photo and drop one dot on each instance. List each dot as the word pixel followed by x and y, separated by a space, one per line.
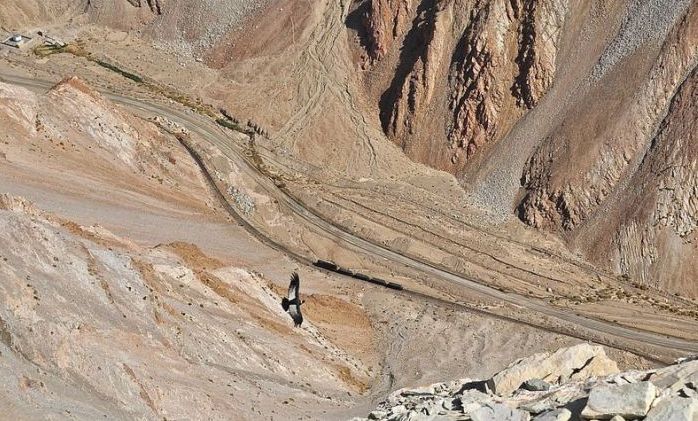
pixel 211 132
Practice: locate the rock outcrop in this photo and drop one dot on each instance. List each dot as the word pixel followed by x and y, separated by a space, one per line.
pixel 383 23
pixel 627 188
pixel 74 123
pixel 504 63
pixel 667 393
pixel 587 106
pixel 482 77
pixel 628 401
pixel 578 362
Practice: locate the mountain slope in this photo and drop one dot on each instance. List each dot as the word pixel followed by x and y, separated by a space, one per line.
pixel 551 111
pixel 93 325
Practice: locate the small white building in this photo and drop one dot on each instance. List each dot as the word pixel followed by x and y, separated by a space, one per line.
pixel 17 40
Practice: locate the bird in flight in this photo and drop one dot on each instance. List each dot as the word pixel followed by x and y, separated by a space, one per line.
pixel 292 304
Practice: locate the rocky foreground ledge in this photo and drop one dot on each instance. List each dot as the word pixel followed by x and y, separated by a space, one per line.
pixel 576 383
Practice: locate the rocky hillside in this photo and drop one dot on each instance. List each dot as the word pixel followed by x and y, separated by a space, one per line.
pixel 475 67
pixel 629 190
pixel 93 325
pixel 181 25
pixel 18 14
pixel 577 117
pixel 73 131
pixel 464 72
pixel 574 383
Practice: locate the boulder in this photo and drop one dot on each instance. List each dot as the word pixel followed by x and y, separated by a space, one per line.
pixel 414 416
pixel 561 414
pixel 431 407
pixel 631 400
pixel 449 388
pixel 471 400
pixel 419 391
pixel 577 363
pixel 676 376
pixel 398 409
pixel 560 396
pixel 664 394
pixel 689 390
pixel 674 409
pixel 630 377
pixel 499 412
pixel 451 404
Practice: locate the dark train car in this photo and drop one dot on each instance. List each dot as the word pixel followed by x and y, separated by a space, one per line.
pixel 343 271
pixel 327 265
pixel 332 266
pixel 361 276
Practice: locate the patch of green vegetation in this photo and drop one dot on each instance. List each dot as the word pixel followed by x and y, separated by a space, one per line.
pixel 229 124
pixel 124 73
pixel 47 50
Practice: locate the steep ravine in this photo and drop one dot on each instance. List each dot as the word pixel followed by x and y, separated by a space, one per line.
pixel 465 72
pixel 631 179
pixel 466 93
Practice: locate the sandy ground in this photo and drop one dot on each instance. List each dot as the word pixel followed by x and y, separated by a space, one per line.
pixel 406 207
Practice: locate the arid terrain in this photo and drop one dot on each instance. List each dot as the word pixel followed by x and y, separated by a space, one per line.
pixel 526 171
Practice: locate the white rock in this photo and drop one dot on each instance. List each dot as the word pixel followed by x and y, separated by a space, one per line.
pixel 561 414
pixel 449 404
pixel 499 412
pixel 675 376
pixel 413 416
pixel 419 391
pixel 578 362
pixel 558 397
pixel 674 409
pixel 399 409
pixel 535 385
pixel 629 401
pixel 472 400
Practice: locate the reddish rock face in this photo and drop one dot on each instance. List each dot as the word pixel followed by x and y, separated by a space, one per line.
pixel 384 22
pixel 481 65
pixel 578 99
pixel 627 193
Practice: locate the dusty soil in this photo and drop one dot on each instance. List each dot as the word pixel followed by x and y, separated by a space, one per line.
pixel 290 71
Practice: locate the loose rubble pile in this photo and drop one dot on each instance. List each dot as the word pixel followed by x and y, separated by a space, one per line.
pixel 576 383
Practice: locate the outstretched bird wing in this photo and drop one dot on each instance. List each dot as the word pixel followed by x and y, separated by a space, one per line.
pixel 294 300
pixel 293 288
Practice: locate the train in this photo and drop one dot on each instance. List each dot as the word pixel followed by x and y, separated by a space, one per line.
pixel 333 267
